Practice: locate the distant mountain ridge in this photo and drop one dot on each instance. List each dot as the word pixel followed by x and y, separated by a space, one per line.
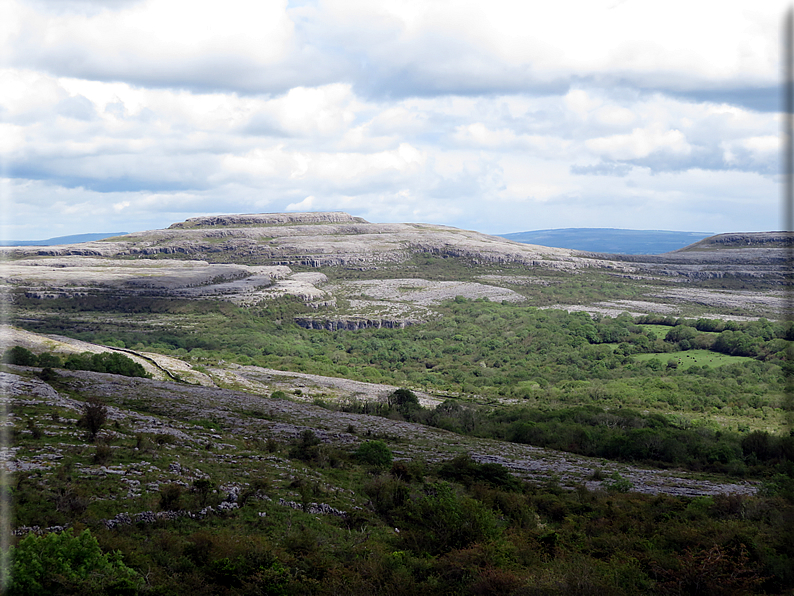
pixel 74 239
pixel 610 240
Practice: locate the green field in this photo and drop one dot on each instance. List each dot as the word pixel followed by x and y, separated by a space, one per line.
pixel 691 358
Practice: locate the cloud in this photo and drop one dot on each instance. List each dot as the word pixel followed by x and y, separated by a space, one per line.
pixel 400 48
pixel 498 116
pixel 602 169
pixel 305 205
pixel 641 142
pixel 155 42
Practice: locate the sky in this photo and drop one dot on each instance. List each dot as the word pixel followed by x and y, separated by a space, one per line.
pixel 498 116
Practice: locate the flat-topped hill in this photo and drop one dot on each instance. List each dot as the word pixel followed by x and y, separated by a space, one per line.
pixel 311 239
pixel 266 219
pixel 357 273
pixel 742 240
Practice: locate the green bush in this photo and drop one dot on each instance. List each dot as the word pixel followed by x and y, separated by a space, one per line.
pixel 67 564
pixel 618 484
pixel 404 401
pixel 170 497
pixel 442 520
pixel 50 360
pixel 465 470
pixel 374 453
pixel 48 375
pixel 307 447
pixel 20 356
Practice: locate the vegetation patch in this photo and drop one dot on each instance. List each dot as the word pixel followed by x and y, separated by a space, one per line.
pixel 692 358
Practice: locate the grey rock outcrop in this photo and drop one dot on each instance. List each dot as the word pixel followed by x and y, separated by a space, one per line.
pixel 262 219
pixel 354 324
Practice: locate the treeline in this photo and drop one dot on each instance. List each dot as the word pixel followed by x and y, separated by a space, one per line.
pixel 622 435
pixel 105 362
pixel 760 339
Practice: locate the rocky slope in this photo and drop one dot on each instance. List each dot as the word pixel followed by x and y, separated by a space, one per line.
pixel 249 258
pixel 172 409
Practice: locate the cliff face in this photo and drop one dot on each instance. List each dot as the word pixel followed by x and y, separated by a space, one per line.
pixel 354 324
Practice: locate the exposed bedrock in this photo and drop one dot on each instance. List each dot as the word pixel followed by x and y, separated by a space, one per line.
pixel 259 219
pixel 354 324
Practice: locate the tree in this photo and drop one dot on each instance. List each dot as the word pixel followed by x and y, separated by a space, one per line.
pixel 21 356
pixel 404 400
pixel 48 360
pixel 95 414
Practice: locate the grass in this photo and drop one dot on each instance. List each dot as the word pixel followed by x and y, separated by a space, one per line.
pixel 691 358
pixel 659 330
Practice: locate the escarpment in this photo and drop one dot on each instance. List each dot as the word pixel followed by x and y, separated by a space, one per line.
pixel 250 258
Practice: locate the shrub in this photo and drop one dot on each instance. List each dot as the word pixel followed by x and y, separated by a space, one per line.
pixel 118 364
pixel 465 470
pixel 404 400
pixel 307 447
pixel 441 520
pixel 618 484
pixel 203 488
pixel 374 453
pixel 170 497
pixel 387 494
pixel 35 431
pixel 95 414
pixel 106 362
pixel 103 454
pixel 48 375
pixel 67 564
pixel 719 570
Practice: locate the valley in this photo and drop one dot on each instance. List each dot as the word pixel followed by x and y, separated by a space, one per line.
pixel 534 400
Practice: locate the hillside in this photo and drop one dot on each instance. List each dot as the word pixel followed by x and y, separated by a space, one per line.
pixel 357 273
pixel 311 403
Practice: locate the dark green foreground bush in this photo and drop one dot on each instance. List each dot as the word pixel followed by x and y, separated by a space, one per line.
pixel 67 564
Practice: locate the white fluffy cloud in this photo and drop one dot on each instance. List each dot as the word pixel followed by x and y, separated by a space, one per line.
pixel 128 114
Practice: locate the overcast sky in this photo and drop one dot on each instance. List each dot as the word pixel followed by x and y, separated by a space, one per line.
pixel 493 115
